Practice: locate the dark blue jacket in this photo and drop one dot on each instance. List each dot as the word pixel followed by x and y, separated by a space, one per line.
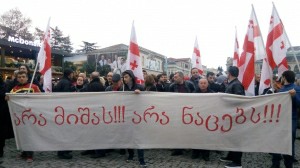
pixel 295 99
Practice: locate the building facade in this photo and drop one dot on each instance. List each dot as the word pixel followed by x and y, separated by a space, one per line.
pixel 17 51
pixel 179 64
pixel 152 62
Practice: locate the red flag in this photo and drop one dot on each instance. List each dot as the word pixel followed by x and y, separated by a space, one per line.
pixel 277 45
pixel 236 53
pixel 196 59
pixel 252 50
pixel 44 60
pixel 134 62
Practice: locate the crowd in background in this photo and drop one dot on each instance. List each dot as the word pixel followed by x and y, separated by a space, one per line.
pixel 125 81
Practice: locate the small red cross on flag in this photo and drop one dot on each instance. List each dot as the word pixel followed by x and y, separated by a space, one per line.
pixel 133 58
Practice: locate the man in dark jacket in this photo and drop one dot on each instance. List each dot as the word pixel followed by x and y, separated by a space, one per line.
pixel 202 87
pixel 6 129
pixel 211 80
pixel 180 86
pixel 234 87
pixel 195 76
pixel 65 85
pixel 129 84
pixel 95 85
pixel 288 79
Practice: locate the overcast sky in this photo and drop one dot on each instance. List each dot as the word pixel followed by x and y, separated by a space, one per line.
pixel 166 27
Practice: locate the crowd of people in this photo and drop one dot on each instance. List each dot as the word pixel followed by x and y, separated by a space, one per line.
pixel 125 81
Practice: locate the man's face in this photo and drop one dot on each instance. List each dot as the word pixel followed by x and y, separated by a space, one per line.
pixel 71 75
pixel 177 78
pixel 195 73
pixel 145 74
pixel 22 78
pixel 203 84
pixel 79 81
pixel 23 68
pixel 163 78
pixel 102 57
pixel 211 78
pixel 127 79
pixel 109 77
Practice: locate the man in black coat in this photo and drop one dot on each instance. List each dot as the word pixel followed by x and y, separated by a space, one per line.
pixel 65 85
pixel 234 87
pixel 6 129
pixel 211 80
pixel 95 84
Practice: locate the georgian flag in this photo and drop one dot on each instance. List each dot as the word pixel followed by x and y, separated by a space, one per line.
pixel 196 59
pixel 253 49
pixel 134 62
pixel 44 60
pixel 277 44
pixel 236 53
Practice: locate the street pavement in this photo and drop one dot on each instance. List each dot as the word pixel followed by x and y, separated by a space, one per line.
pixel 155 158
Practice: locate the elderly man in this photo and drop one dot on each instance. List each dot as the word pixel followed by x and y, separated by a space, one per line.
pixel 202 88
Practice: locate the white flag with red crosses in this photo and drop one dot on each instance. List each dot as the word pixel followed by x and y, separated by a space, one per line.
pixel 44 60
pixel 134 62
pixel 236 53
pixel 277 44
pixel 196 59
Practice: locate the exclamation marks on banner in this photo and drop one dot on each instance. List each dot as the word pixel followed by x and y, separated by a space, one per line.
pixel 270 114
pixel 119 114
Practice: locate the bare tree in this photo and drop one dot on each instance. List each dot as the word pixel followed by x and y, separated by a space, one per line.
pixel 13 23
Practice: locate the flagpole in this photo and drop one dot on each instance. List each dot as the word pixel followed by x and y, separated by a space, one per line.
pixel 293 51
pixel 266 57
pixel 34 72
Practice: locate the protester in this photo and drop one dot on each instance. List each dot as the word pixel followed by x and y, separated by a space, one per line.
pixel 79 86
pixel 202 87
pixel 129 84
pixel 65 85
pixel 211 80
pixel 180 86
pixel 287 80
pixel 116 83
pixel 195 76
pixel 150 83
pixel 108 80
pixel 162 82
pixel 6 129
pixel 234 87
pixel 23 87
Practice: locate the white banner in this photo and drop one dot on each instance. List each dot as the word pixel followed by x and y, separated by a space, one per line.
pixel 217 121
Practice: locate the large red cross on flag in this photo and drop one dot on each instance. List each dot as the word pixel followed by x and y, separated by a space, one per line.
pixel 134 62
pixel 44 60
pixel 253 49
pixel 236 53
pixel 196 59
pixel 277 44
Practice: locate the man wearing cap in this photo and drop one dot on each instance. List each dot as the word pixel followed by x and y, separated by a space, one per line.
pixel 234 87
pixel 116 83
